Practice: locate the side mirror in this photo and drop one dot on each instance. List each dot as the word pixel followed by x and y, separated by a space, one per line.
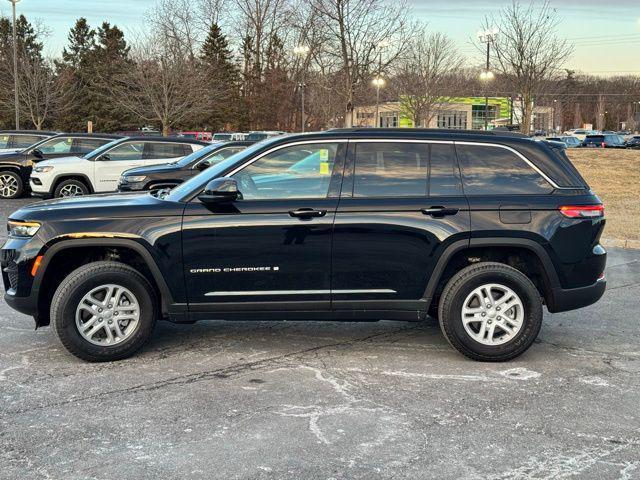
pixel 202 166
pixel 104 157
pixel 220 190
pixel 37 153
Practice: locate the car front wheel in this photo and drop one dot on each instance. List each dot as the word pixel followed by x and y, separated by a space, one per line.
pixel 490 312
pixel 11 185
pixel 104 311
pixel 71 188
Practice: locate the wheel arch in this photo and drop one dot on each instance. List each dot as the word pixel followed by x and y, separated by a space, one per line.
pixel 454 252
pixel 47 279
pixel 71 176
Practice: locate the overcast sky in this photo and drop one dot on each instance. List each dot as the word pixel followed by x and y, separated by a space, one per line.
pixel 606 33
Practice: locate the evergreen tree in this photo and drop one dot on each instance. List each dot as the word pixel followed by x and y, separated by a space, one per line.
pixel 81 44
pixel 222 76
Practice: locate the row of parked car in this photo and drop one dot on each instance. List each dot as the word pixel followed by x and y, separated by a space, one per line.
pixel 577 138
pixel 72 164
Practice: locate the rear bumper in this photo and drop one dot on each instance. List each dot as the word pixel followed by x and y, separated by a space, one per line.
pixel 564 299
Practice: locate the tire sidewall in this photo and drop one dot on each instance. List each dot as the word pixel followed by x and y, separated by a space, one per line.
pixel 67 329
pixel 532 313
pixel 20 189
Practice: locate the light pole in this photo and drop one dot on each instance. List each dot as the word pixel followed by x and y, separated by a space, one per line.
pixel 15 66
pixel 302 52
pixel 378 82
pixel 487 36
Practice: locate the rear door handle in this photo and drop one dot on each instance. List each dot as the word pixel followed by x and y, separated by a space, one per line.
pixel 307 213
pixel 439 211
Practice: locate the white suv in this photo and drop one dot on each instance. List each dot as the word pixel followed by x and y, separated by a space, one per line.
pixel 99 171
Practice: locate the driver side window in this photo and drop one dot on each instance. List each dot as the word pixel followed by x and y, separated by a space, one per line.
pixel 300 171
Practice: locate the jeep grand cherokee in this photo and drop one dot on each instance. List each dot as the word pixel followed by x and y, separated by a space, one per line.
pixel 480 230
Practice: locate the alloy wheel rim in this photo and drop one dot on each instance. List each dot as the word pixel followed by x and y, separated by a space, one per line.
pixel 492 314
pixel 71 191
pixel 8 185
pixel 108 315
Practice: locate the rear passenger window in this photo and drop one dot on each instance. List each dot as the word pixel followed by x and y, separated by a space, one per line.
pixel 402 169
pixel 497 171
pixel 391 170
pixel 24 141
pixel 86 145
pixel 165 150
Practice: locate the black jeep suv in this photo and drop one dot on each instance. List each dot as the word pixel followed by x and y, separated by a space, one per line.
pixel 15 167
pixel 172 174
pixel 480 229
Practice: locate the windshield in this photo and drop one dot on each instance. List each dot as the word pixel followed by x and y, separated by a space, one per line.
pixel 198 154
pixel 94 153
pixel 200 180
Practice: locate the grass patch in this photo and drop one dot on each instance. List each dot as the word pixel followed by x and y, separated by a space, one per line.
pixel 615 176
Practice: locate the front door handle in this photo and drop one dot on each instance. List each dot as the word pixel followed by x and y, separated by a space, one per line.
pixel 439 211
pixel 307 213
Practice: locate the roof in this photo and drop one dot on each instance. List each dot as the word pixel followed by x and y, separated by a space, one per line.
pixel 157 138
pixel 89 135
pixel 31 132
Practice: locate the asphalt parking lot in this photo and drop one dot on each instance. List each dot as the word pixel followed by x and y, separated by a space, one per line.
pixel 329 400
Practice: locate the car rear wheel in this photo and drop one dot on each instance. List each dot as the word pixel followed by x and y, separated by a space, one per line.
pixel 71 188
pixel 11 185
pixel 490 312
pixel 104 311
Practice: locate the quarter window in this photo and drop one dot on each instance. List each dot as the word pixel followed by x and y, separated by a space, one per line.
pixel 488 170
pixel 300 171
pixel 24 141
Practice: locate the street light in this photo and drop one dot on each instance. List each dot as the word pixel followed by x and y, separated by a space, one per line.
pixel 379 83
pixel 487 36
pixel 15 66
pixel 302 51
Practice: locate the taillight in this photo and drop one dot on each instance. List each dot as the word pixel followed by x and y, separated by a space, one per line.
pixel 582 211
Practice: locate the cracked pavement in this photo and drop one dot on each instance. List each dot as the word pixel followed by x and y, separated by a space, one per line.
pixel 330 400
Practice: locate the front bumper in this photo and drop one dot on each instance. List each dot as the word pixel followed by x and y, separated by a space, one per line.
pixel 27 305
pixel 564 299
pixel 131 187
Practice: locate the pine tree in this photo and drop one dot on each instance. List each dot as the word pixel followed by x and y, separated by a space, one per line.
pixel 82 43
pixel 222 75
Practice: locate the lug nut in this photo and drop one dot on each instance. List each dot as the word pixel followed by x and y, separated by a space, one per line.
pixel 115 314
pixel 483 314
pixel 100 310
pixel 110 322
pixel 498 308
pixel 499 317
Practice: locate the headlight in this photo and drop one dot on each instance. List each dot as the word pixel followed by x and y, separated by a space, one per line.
pixel 133 178
pixel 44 169
pixel 22 229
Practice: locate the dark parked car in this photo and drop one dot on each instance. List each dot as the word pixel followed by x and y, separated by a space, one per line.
pixel 568 140
pixel 480 229
pixel 15 140
pixel 172 174
pixel 15 168
pixel 604 141
pixel 633 142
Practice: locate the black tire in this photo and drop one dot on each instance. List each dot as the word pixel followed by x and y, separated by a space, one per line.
pixel 462 284
pixel 19 185
pixel 72 182
pixel 79 282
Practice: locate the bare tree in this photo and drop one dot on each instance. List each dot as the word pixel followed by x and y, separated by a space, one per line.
pixel 162 87
pixel 527 50
pixel 363 36
pixel 600 113
pixel 426 76
pixel 41 92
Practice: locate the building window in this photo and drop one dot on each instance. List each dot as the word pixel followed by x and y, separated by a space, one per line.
pixel 388 119
pixel 453 119
pixel 478 114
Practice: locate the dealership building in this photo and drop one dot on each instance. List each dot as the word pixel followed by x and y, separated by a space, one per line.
pixel 460 113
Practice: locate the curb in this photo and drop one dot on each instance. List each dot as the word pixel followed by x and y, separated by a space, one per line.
pixel 620 243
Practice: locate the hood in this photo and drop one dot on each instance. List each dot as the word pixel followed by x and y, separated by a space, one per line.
pixel 161 168
pixel 61 160
pixel 110 205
